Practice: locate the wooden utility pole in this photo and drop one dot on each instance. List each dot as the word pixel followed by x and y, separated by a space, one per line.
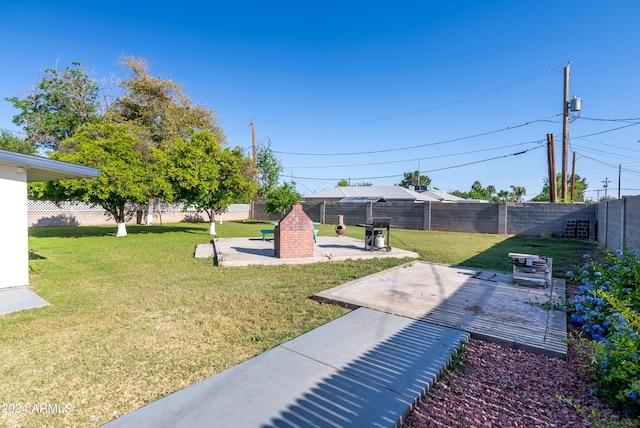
pixel 619 179
pixel 255 160
pixel 573 178
pixel 565 132
pixel 253 143
pixel 551 160
pixel 606 187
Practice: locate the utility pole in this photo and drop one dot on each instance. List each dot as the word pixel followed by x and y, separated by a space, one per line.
pixel 253 143
pixel 619 179
pixel 565 132
pixel 551 160
pixel 573 178
pixel 255 159
pixel 606 186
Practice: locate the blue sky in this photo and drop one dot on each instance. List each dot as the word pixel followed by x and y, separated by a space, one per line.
pixel 368 90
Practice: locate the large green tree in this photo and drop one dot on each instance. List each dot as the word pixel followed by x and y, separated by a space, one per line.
pixel 414 179
pixel 124 174
pixel 158 108
pixel 160 113
pixel 8 141
pixel 282 198
pixel 518 192
pixel 269 170
pixel 209 176
pixel 580 187
pixel 488 193
pixel 63 101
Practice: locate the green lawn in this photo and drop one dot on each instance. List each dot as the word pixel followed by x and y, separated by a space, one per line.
pixel 136 318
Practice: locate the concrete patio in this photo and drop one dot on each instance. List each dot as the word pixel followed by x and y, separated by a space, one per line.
pixel 256 251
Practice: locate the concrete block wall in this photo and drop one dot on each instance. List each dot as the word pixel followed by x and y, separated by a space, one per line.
pixel 532 219
pixel 618 224
pixel 464 217
pixel 614 225
pixel 408 214
pixel 353 213
pixel 601 221
pixel 527 219
pixel 632 222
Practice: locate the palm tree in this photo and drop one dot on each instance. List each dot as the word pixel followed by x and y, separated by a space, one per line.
pixel 503 195
pixel 518 192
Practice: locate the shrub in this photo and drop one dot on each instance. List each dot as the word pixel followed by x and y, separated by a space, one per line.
pixel 606 305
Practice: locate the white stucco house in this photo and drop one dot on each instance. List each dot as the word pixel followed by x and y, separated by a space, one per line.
pixel 16 170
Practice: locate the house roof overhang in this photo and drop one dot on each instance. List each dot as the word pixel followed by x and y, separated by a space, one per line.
pixel 44 169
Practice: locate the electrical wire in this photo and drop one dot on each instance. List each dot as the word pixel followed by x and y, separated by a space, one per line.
pixel 610 165
pixel 423 110
pixel 632 119
pixel 12 132
pixel 430 170
pixel 417 146
pixel 609 130
pixel 611 145
pixel 416 159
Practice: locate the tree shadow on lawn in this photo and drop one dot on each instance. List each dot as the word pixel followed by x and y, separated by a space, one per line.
pixel 92 231
pixel 566 253
pixel 132 229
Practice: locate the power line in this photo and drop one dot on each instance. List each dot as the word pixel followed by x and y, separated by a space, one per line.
pixel 610 145
pixel 297 180
pixel 431 170
pixel 632 119
pixel 608 130
pixel 417 146
pixel 423 110
pixel 12 132
pixel 415 159
pixel 610 165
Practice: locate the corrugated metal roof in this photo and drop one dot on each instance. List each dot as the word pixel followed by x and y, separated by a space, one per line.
pixel 388 193
pixel 39 168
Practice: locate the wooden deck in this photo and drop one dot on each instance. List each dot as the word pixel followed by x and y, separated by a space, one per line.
pixel 484 303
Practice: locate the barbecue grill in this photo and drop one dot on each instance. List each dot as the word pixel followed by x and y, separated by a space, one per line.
pixel 376 233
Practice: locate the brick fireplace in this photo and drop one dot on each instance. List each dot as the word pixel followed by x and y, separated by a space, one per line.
pixel 293 237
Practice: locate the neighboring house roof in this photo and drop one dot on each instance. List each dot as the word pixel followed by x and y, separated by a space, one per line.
pixel 363 199
pixel 443 196
pixel 388 193
pixel 44 169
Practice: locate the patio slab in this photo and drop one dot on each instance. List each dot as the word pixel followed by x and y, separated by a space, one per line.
pixel 484 303
pixel 256 251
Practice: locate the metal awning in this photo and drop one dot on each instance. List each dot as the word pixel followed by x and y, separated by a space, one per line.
pixel 363 199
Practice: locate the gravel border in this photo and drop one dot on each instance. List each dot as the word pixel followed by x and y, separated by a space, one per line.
pixel 496 386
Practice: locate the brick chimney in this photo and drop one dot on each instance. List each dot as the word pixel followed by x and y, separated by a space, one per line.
pixel 293 237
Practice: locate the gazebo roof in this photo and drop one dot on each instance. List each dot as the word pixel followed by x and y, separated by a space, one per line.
pixel 39 168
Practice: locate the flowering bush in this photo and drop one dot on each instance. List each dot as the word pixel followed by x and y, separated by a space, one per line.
pixel 607 305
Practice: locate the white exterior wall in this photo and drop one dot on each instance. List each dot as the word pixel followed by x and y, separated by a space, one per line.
pixel 14 235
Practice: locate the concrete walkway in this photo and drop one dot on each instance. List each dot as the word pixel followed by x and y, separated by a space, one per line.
pixel 365 369
pixel 15 299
